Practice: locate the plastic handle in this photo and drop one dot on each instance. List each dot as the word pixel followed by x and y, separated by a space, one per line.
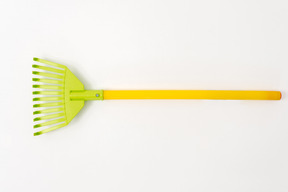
pixel 192 94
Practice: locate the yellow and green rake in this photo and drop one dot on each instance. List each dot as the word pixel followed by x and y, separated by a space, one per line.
pixel 60 95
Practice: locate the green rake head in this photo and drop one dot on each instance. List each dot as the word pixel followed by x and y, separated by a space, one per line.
pixel 54 108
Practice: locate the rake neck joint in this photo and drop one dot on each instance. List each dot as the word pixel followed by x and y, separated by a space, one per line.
pixel 86 95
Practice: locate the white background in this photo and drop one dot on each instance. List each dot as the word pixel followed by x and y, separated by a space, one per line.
pixel 129 146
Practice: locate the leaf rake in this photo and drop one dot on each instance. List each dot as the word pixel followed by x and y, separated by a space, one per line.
pixel 60 95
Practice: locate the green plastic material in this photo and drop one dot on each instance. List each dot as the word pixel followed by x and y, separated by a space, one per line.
pixel 86 95
pixel 62 95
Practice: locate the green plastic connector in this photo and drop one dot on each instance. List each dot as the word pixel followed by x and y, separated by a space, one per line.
pixel 86 95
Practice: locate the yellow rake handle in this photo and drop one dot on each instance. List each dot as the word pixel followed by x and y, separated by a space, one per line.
pixel 192 94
